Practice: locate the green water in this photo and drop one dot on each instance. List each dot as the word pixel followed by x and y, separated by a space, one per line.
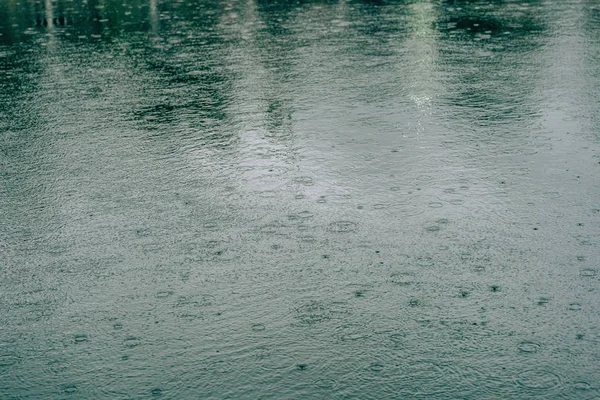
pixel 342 199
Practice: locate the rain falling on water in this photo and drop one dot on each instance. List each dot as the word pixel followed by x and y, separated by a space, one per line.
pixel 336 199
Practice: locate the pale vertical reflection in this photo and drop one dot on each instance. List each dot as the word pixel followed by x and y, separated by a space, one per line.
pixel 154 16
pixel 342 16
pixel 566 83
pixel 592 62
pixel 49 14
pixel 263 159
pixel 51 44
pixel 421 42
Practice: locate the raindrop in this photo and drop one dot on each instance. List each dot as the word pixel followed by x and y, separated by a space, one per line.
pixel 131 341
pixel 305 214
pixel 433 228
pixel 582 386
pixel 401 278
pixel 551 195
pixel 304 180
pixel 494 288
pixel 258 327
pixel 430 379
pixel 342 227
pixel 543 301
pixel 142 232
pixel 312 313
pixel 118 326
pixel 575 307
pixel 528 347
pixel 352 336
pixel 398 337
pixel 191 315
pixel 206 300
pixel 156 392
pixel 163 294
pixel 376 367
pixel 538 380
pixel 211 244
pixel 424 178
pixel 69 388
pixel 379 206
pixel 324 384
pixel 219 367
pixel 588 272
pixel 435 204
pixel 80 338
pixel 307 238
pixel 260 353
pixel 279 361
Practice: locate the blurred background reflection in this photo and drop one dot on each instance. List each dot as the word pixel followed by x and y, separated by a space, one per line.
pixel 299 199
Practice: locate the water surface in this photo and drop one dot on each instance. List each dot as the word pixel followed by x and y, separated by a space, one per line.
pixel 315 199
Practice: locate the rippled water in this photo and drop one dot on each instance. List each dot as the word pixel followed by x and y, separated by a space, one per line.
pixel 312 199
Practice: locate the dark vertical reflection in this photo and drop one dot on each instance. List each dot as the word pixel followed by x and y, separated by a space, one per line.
pixel 24 181
pixel 491 50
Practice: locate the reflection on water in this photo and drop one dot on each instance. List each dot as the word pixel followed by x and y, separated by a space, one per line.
pixel 312 199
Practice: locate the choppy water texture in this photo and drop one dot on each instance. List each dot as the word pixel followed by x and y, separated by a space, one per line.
pixel 254 199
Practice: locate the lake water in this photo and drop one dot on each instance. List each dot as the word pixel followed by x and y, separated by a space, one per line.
pixel 342 199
